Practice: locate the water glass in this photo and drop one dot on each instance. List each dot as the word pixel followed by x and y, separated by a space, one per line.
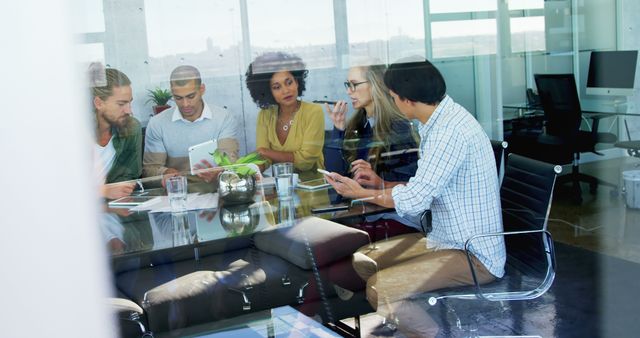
pixel 177 191
pixel 181 229
pixel 286 212
pixel 283 173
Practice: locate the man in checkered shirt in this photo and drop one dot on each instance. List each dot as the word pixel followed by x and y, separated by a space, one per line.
pixel 456 179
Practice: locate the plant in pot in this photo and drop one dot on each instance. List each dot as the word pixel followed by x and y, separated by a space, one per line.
pixel 159 97
pixel 237 184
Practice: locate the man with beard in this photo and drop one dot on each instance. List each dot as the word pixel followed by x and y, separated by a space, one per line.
pixel 117 152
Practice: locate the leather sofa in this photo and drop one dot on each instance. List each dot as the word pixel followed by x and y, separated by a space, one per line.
pixel 296 265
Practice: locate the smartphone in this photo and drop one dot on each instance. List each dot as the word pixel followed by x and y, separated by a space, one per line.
pixel 324 101
pixel 330 208
pixel 322 171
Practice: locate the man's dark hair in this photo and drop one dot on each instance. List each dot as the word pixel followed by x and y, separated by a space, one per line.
pixel 183 75
pixel 261 70
pixel 417 81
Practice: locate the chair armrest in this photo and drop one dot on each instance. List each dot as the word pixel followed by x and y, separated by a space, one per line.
pixel 504 234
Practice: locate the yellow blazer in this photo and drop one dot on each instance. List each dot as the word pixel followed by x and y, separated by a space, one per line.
pixel 305 139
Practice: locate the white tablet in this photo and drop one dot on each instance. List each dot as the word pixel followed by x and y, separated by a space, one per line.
pixel 316 184
pixel 131 201
pixel 202 151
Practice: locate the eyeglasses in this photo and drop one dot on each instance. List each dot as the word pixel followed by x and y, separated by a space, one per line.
pixel 353 85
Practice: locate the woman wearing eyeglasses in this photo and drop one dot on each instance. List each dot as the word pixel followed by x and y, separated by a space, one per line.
pixel 288 129
pixel 376 127
pixel 356 145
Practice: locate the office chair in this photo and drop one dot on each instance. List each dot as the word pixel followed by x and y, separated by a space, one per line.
pixel 562 141
pixel 526 195
pixel 500 152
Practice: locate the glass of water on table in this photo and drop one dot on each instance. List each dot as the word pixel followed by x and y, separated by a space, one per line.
pixel 283 174
pixel 177 191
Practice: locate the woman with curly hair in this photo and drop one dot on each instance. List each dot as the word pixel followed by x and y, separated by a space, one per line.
pixel 288 129
pixel 376 127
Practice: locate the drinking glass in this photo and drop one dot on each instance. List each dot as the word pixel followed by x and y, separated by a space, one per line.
pixel 286 212
pixel 177 191
pixel 283 173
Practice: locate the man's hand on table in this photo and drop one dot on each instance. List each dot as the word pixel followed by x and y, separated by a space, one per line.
pixel 170 172
pixel 114 191
pixel 207 214
pixel 206 171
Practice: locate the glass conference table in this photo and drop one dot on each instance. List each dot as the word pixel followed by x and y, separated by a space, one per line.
pixel 141 241
pixel 129 232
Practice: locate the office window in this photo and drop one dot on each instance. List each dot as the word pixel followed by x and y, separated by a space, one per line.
pixel 463 38
pixel 527 25
pixel 381 29
pixel 305 28
pixel 525 4
pixel 459 6
pixel 527 34
pixel 198 31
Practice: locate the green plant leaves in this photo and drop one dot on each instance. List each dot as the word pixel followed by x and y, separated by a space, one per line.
pixel 159 96
pixel 223 160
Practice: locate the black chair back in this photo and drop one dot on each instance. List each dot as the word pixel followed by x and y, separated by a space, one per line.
pixel 499 150
pixel 561 104
pixel 526 195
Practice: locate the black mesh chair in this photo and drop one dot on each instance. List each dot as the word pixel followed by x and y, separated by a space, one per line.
pixel 526 196
pixel 562 141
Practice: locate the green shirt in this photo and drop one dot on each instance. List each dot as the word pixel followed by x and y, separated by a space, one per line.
pixel 127 142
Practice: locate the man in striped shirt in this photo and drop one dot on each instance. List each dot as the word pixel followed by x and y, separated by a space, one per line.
pixel 456 179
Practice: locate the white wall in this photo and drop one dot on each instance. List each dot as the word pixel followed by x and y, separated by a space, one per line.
pixel 54 276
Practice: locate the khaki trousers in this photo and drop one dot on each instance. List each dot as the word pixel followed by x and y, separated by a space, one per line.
pixel 402 266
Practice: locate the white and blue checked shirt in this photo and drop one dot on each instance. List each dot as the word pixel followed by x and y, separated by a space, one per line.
pixel 457 180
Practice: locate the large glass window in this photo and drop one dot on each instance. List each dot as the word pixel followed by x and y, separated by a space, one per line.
pixel 381 29
pixel 193 31
pixel 527 25
pixel 304 28
pixel 447 6
pixel 463 38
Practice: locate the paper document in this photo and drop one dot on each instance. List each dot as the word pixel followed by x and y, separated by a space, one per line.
pixel 195 201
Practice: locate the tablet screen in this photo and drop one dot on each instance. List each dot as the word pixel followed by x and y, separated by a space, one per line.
pixel 131 200
pixel 314 184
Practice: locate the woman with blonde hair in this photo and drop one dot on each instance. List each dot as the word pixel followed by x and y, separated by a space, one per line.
pixel 356 146
pixel 376 127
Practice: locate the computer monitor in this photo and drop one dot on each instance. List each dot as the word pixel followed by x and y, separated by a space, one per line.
pixel 612 73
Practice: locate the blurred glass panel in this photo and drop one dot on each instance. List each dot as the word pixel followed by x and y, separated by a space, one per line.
pixel 89 16
pixel 463 38
pixel 382 29
pixel 525 4
pixel 461 6
pixel 303 28
pixel 527 34
pixel 89 52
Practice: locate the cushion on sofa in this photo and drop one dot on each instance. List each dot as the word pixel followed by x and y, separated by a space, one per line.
pixel 329 242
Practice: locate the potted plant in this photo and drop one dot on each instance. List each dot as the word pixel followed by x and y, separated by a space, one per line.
pixel 159 97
